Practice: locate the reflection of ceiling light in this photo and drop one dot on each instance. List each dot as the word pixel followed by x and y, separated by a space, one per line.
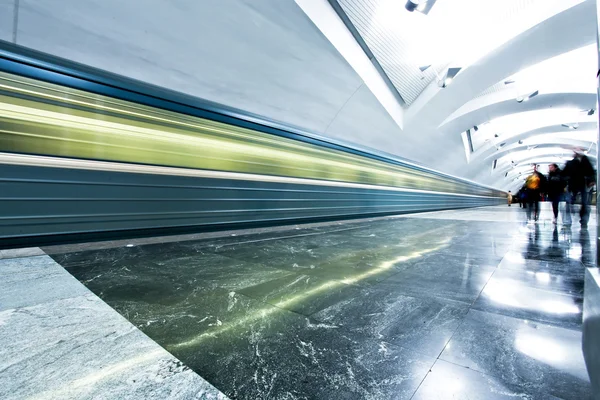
pixel 541 348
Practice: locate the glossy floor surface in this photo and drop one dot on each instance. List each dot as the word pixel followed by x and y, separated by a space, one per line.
pixel 471 304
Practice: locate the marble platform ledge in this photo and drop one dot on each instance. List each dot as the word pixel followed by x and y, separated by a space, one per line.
pixel 591 328
pixel 60 341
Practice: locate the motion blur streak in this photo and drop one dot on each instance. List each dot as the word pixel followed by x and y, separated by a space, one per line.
pixel 42 118
pixel 79 166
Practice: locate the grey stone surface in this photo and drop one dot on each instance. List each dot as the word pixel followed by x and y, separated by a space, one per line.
pixel 542 358
pixel 591 327
pixel 447 381
pixel 34 280
pixel 58 340
pixel 521 299
pixel 361 312
pixel 304 294
pixel 79 348
pixel 443 280
pixel 7 8
pixel 424 325
pixel 24 252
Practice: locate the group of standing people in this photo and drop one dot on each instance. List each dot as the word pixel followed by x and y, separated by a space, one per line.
pixel 575 180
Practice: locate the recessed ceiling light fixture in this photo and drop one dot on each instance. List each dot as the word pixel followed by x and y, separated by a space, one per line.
pixel 574 126
pixel 411 5
pixel 521 99
pixel 422 6
pixel 449 77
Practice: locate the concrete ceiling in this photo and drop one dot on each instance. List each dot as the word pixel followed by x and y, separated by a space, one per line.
pixel 299 64
pixel 507 50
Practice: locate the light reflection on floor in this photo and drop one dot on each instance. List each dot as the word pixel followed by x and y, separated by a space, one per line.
pixel 455 302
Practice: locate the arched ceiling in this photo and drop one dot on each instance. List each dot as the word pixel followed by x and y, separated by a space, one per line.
pixel 507 50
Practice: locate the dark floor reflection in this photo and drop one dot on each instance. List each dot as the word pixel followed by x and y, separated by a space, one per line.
pixel 364 311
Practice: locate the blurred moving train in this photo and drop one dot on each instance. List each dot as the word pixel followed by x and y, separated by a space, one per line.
pixel 85 164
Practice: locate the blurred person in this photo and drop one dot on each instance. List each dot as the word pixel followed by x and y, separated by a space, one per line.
pixel 555 188
pixel 580 177
pixel 535 184
pixel 522 196
pixel 510 198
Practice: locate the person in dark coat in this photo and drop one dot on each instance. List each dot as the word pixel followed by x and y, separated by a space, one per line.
pixel 522 195
pixel 580 176
pixel 555 188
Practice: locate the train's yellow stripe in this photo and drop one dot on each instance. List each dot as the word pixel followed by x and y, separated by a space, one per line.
pixel 47 119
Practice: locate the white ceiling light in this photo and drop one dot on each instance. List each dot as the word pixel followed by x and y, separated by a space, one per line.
pixel 521 99
pixel 573 126
pixel 402 41
pixel 449 76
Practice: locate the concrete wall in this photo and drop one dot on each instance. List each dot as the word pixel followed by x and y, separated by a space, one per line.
pixel 7 8
pixel 262 56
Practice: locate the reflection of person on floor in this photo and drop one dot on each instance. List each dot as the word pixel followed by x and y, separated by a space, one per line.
pixel 555 189
pixel 587 256
pixel 580 177
pixel 535 184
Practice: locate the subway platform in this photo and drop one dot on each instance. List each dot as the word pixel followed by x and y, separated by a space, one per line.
pixel 468 304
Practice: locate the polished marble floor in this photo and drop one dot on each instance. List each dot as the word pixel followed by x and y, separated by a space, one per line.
pixel 470 304
pixel 60 341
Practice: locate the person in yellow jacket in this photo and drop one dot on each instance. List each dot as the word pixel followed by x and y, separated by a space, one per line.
pixel 535 185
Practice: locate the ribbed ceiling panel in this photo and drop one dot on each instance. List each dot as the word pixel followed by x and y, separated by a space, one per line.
pixel 389 47
pixel 455 33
